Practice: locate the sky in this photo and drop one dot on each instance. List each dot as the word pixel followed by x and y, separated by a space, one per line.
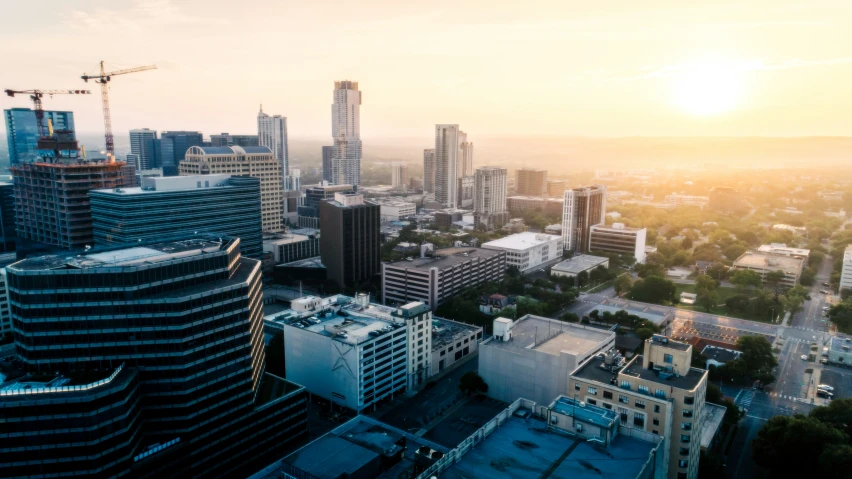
pixel 497 68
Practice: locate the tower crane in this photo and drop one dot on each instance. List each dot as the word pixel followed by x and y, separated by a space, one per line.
pixel 104 79
pixel 36 96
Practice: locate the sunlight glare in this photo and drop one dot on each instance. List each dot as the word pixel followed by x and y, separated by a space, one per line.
pixel 708 88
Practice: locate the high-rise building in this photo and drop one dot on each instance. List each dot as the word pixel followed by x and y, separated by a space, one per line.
pixel 7 217
pixel 254 161
pixel 556 188
pixel 346 132
pixel 465 155
pixel 143 148
pixel 309 211
pixel 489 196
pixel 293 181
pixel 429 171
pixel 272 133
pixel 179 206
pixel 531 182
pixel 327 154
pixel 582 208
pixel 22 131
pixel 447 140
pixel 173 146
pixel 227 139
pixel 467 186
pixel 399 176
pixel 350 244
pixel 164 376
pixel 846 271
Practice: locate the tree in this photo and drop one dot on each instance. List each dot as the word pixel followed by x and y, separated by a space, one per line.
pixel 706 282
pixel 513 271
pixel 794 298
pixel 808 276
pixel 644 333
pixel 707 299
pixel 570 318
pixel 773 279
pixel 623 283
pixel 582 278
pixel 841 315
pixel 734 251
pixel 599 274
pixel 717 271
pixel 801 437
pixel 838 414
pixel 653 289
pixel 710 466
pixel 746 279
pixel 756 353
pixel 686 243
pixel 471 382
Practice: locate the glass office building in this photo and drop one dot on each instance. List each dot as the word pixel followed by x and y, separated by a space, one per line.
pixel 143 362
pixel 22 131
pixel 173 146
pixel 179 205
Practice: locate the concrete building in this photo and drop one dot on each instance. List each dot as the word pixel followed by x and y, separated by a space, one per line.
pixel 489 196
pixel 764 263
pixel 676 199
pixel 448 139
pixel 255 161
pixel 556 188
pixel 272 133
pixel 399 176
pixel 658 392
pixel 22 132
pixel 346 133
pixel 583 208
pixel 293 182
pixel 465 155
pixel 350 244
pixel 444 273
pixel 618 238
pixel 227 139
pixel 293 245
pixel 143 148
pixel 327 153
pixel 396 210
pixel 570 268
pixel 451 343
pixel 309 210
pixel 533 357
pixel 724 199
pixel 467 188
pixel 528 251
pixel 846 271
pixel 429 171
pixel 840 351
pixel 718 357
pixel 531 182
pixel 518 205
pixel 781 249
pixel 179 205
pixel 554 229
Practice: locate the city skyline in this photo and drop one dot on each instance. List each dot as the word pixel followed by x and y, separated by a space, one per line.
pixel 644 74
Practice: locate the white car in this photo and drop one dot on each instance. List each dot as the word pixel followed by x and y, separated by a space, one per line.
pixel 804 357
pixel 825 387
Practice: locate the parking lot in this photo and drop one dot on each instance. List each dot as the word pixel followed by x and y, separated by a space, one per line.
pixel 685 329
pixel 839 378
pixel 459 425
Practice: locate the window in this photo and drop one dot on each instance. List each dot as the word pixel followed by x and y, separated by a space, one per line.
pixel 607 406
pixel 667 358
pixel 656 422
pixel 644 389
pixel 576 386
pixel 689 400
pixel 623 399
pixel 623 415
pixel 686 426
pixel 607 395
pixel 687 413
pixel 625 384
pixel 660 393
pixel 682 463
pixel 684 438
pixel 657 408
pixel 593 391
pixel 592 402
pixel 639 419
pixel 640 404
pixel 684 451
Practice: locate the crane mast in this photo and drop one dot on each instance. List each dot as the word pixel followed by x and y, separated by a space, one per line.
pixel 36 96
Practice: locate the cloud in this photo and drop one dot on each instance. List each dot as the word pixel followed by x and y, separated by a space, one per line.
pixel 141 14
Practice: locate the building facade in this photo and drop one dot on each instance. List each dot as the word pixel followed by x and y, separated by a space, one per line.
pixel 531 182
pixel 272 133
pixel 675 199
pixel 618 238
pixel 179 205
pixel 173 146
pixel 447 141
pixel 582 208
pixel 292 246
pixel 164 371
pixel 556 188
pixel 399 176
pixel 489 196
pixel 846 271
pixel 227 139
pixel 8 236
pixel 255 161
pixel 436 278
pixel 346 132
pixel 764 263
pixel 327 154
pixel 467 187
pixel 350 244
pixel 465 155
pixel 143 144
pixel 518 205
pixel 309 211
pixel 528 251
pixel 22 131
pixel 429 171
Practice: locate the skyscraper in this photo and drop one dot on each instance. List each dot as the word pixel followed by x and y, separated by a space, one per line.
pixel 180 205
pixel 447 140
pixel 227 139
pixel 429 170
pixel 531 182
pixel 465 155
pixel 350 243
pixel 346 132
pixel 309 211
pixel 583 208
pixel 163 377
pixel 327 154
pixel 143 147
pixel 7 217
pixel 399 176
pixel 254 161
pixel 489 196
pixel 272 133
pixel 22 131
pixel 173 146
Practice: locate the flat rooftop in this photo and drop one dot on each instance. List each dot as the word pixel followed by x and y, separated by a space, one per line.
pixel 351 323
pixel 135 256
pixel 837 344
pixel 580 263
pixel 445 332
pixel 521 241
pixel 585 412
pixel 160 184
pixel 783 249
pixel 593 370
pixel 552 336
pixel 713 416
pixel 312 262
pixel 445 258
pixel 525 449
pixel 754 259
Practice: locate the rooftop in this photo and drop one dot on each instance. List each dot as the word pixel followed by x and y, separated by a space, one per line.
pixel 584 412
pixel 345 320
pixel 445 332
pixel 616 227
pixel 135 256
pixel 444 258
pixel 233 150
pixel 535 198
pixel 551 336
pixel 595 369
pixel 719 354
pixel 656 314
pixel 521 241
pixel 314 262
pixel 838 343
pixel 712 420
pixel 580 263
pixel 527 449
pixel 753 259
pixel 159 184
pixel 783 249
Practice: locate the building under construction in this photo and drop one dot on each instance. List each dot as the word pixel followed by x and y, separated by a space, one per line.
pixel 52 196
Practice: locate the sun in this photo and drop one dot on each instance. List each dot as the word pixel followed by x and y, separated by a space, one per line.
pixel 707 89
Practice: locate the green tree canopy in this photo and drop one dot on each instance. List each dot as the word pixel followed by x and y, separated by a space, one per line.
pixel 746 279
pixel 653 289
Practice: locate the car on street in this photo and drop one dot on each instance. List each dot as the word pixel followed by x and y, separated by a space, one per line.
pixel 823 291
pixel 825 387
pixel 826 284
pixel 824 360
pixel 804 357
pixel 824 394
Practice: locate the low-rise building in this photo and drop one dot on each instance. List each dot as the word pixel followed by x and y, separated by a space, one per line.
pixel 717 356
pixel 396 210
pixel 528 251
pixel 494 303
pixel 522 204
pixel 676 199
pixel 436 276
pixel 292 246
pixel 554 229
pixel 572 267
pixel 618 238
pixel 764 263
pixel 840 350
pixel 452 341
pixel 533 356
pixel 781 249
pixel 795 229
pixel 846 271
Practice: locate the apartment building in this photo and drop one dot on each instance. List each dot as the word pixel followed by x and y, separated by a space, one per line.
pixel 618 238
pixel 518 205
pixel 531 182
pixel 846 272
pixel 583 208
